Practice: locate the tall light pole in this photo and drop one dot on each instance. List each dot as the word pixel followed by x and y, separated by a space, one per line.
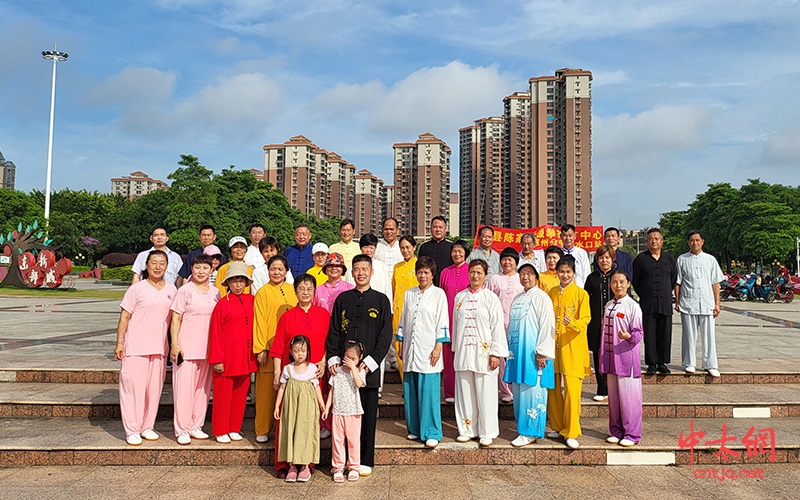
pixel 797 248
pixel 55 56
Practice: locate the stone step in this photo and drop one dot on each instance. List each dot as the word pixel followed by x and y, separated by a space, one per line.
pixel 660 401
pixel 48 441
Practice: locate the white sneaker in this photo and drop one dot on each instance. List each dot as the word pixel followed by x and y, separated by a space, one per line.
pixel 553 435
pixel 235 436
pixel 522 441
pixel 626 443
pixel 463 439
pixel 224 439
pixel 324 433
pixel 185 438
pixel 413 437
pixel 485 442
pixel 150 435
pixel 365 470
pixel 134 440
pixel 599 398
pixel 431 443
pixel 573 443
pixel 198 434
pixel 262 439
pixel 449 400
pixel 713 372
pixel 612 439
pixel 689 369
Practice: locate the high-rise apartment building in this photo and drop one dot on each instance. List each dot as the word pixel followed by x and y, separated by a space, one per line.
pixel 545 170
pixel 421 183
pixel 300 169
pixel 341 187
pixel 480 182
pixel 136 185
pixel 8 173
pixel 369 203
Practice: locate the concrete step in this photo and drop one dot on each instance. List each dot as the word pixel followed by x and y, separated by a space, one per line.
pixel 105 371
pixel 666 401
pixel 48 441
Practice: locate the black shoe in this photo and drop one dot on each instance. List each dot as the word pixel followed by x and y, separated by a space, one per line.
pixel 662 368
pixel 652 368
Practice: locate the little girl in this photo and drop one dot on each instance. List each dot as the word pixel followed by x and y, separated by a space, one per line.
pixel 298 439
pixel 347 411
pixel 620 360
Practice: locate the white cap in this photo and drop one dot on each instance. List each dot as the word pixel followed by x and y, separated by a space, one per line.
pixel 235 240
pixel 319 247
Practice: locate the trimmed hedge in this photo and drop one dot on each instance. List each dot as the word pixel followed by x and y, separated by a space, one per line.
pixel 118 273
pixel 115 259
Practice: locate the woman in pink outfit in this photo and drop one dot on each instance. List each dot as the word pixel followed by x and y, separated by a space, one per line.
pixel 453 279
pixel 191 377
pixel 142 348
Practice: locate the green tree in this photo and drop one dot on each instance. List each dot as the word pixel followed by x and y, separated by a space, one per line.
pixel 673 226
pixel 194 202
pixel 16 207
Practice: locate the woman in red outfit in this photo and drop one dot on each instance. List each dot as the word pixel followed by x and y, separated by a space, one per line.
pixel 231 354
pixel 313 322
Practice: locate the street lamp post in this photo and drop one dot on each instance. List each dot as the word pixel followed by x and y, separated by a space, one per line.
pixel 55 56
pixel 797 249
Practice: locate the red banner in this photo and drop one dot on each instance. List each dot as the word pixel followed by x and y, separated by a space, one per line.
pixel 587 237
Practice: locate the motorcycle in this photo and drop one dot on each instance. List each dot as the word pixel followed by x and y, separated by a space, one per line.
pixel 785 289
pixel 755 288
pixel 727 288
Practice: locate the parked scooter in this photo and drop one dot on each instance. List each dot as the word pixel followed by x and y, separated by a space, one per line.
pixel 755 288
pixel 785 289
pixel 727 288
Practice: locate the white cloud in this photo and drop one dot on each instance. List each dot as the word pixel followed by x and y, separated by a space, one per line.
pixel 346 100
pixel 783 148
pixel 134 87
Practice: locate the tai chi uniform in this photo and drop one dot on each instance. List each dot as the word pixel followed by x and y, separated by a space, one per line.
pixel 654 280
pixel 231 343
pixel 298 438
pixel 325 295
pixel 621 361
pixel 439 251
pixel 144 361
pixel 346 421
pixel 365 317
pixel 538 262
pixel 348 251
pixel 191 380
pixel 506 288
pixel 300 258
pixel 404 278
pixel 261 277
pixel 452 280
pixel 599 290
pixel 477 334
pixel 697 274
pixel 572 359
pixel 548 280
pixel 531 332
pixel 270 303
pixel 423 324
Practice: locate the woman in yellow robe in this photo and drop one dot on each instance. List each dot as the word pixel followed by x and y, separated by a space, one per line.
pixel 271 301
pixel 549 279
pixel 403 278
pixel 572 311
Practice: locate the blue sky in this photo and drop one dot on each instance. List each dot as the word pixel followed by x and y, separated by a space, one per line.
pixel 685 93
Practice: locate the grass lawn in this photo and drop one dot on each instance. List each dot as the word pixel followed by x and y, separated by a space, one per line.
pixel 63 294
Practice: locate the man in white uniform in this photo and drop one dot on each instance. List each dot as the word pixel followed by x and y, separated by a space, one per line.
pixel 697 299
pixel 582 268
pixel 253 256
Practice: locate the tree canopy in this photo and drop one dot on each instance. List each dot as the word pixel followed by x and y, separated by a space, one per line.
pixel 90 223
pixel 755 223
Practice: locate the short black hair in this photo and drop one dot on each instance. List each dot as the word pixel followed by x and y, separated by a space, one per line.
pixel 304 278
pixel 425 262
pixel 207 226
pixel 202 259
pixel 269 241
pixel 441 218
pixel 367 240
pixel 692 233
pixel 611 229
pixel 462 244
pixel 554 249
pixel 484 228
pixel 253 226
pixel 655 230
pixel 361 258
pixel 410 239
pixel 345 222
pixel 280 258
pixel 567 260
pixel 567 227
pixel 510 252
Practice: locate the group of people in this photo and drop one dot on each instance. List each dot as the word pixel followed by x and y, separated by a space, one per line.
pixel 317 325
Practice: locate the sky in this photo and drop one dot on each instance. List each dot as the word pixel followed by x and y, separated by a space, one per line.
pixel 684 93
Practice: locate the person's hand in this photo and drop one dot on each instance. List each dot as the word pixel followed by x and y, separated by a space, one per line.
pixel 174 352
pixel 276 381
pixel 277 414
pixel 332 369
pixel 623 334
pixel 541 361
pixel 320 369
pixel 325 412
pixel 435 354
pixel 677 307
pixel 567 320
pixel 350 364
pixel 262 358
pixel 716 310
pixel 119 350
pixel 218 367
pixel 363 366
pixel 494 362
pixel 399 350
